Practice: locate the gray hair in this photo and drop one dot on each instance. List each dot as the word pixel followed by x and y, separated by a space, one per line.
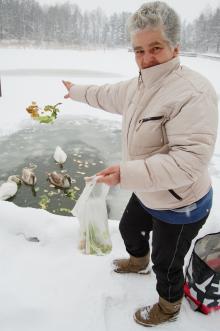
pixel 153 15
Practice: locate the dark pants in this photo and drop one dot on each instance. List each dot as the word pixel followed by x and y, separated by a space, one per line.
pixel 170 244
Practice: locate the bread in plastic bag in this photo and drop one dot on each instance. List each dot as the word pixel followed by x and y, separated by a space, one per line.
pixel 91 211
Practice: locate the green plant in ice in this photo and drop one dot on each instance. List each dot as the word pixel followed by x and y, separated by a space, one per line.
pixel 71 193
pixel 66 210
pixel 44 201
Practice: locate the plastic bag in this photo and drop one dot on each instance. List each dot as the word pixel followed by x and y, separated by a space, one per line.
pixel 91 211
pixel 202 286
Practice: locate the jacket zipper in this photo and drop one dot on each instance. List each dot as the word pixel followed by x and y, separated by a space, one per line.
pixel 175 195
pixel 153 118
pixel 140 79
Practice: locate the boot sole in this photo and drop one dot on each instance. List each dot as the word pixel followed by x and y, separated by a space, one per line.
pixel 146 271
pixel 173 319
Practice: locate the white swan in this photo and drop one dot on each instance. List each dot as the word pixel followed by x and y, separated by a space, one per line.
pixel 9 188
pixel 28 176
pixel 59 155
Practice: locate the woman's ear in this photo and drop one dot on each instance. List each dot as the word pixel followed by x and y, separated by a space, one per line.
pixel 176 51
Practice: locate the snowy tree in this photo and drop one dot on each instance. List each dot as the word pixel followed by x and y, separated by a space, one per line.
pixel 75 25
pixel 215 32
pixel 202 35
pixel 27 21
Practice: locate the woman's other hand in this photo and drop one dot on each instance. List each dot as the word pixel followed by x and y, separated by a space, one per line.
pixel 68 86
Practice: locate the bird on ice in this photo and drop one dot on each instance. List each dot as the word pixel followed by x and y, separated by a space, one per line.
pixel 59 156
pixel 9 188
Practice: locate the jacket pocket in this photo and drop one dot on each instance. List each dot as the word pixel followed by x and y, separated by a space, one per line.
pixel 175 195
pixel 143 120
pixel 149 135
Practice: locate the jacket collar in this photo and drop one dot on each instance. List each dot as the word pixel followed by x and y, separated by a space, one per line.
pixel 151 75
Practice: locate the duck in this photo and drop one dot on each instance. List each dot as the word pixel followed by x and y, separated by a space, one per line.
pixel 9 188
pixel 28 176
pixel 59 180
pixel 59 156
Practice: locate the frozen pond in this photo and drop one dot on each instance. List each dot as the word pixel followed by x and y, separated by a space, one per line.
pixel 90 144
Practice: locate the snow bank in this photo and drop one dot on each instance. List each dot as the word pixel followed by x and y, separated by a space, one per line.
pixel 50 285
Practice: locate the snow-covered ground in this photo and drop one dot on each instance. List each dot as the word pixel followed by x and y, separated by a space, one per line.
pixel 49 285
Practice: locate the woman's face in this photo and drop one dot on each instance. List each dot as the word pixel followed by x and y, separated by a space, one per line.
pixel 151 48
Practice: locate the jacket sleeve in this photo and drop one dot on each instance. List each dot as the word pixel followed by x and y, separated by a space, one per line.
pixel 191 139
pixel 109 97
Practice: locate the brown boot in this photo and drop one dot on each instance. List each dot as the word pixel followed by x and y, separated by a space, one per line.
pixel 133 264
pixel 161 312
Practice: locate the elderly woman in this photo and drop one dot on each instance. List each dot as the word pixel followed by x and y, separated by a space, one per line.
pixel 169 126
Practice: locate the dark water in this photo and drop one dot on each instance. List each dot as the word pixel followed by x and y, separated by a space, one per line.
pixel 91 145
